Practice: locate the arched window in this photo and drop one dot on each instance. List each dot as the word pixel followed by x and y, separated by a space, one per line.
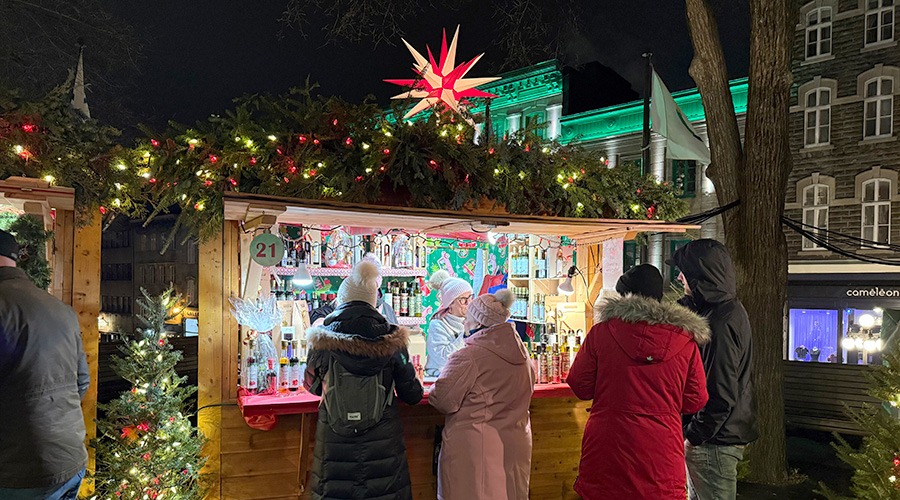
pixel 879 21
pixel 879 107
pixel 817 128
pixel 815 212
pixel 818 32
pixel 876 210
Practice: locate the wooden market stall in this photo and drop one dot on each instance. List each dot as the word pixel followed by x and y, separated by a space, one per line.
pixel 74 256
pixel 246 463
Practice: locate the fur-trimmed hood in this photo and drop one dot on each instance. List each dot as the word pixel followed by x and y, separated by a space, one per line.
pixel 638 309
pixel 324 339
pixel 650 331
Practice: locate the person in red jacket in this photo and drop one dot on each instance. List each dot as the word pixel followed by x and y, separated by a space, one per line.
pixel 641 366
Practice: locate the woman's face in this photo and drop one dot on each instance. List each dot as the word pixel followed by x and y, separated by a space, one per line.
pixel 460 305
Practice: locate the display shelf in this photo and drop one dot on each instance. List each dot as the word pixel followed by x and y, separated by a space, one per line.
pixel 305 402
pixel 343 272
pixel 411 320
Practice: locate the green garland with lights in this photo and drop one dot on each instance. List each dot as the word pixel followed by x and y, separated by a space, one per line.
pixel 32 239
pixel 304 146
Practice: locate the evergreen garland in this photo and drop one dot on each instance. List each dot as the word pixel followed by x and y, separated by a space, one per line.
pixel 147 448
pixel 32 239
pixel 877 464
pixel 305 146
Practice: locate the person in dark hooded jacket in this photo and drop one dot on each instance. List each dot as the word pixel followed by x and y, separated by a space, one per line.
pixel 641 366
pixel 715 437
pixel 371 465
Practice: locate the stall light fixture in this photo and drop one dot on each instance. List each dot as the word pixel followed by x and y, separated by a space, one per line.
pixel 866 321
pixel 492 237
pixel 302 277
pixel 566 288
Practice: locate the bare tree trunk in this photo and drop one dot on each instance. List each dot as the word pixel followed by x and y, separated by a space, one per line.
pixel 763 254
pixel 757 175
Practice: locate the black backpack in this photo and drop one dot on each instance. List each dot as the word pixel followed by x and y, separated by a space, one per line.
pixel 353 403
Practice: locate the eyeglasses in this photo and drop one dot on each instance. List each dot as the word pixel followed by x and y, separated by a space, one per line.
pixel 464 300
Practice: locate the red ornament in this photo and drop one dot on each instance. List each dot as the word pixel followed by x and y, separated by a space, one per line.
pixel 162 342
pixel 292 169
pixel 527 147
pixel 491 151
pixel 209 183
pixel 638 191
pixel 153 180
pixel 213 158
pixel 382 168
pixel 312 172
pixel 146 456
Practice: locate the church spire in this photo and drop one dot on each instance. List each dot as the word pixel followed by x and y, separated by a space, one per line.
pixel 78 98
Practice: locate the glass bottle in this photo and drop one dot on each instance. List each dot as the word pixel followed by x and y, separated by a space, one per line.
pixel 284 369
pixel 555 368
pixel 294 384
pixel 251 371
pixel 404 300
pixel 543 365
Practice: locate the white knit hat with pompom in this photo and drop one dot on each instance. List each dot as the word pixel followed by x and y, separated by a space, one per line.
pixel 491 309
pixel 362 284
pixel 450 288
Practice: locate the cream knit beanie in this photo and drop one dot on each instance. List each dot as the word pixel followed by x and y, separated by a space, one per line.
pixel 361 285
pixel 491 309
pixel 450 288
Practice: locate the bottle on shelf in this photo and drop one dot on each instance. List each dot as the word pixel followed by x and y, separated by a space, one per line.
pixel 555 368
pixel 532 353
pixel 418 300
pixel 284 369
pixel 294 384
pixel 251 371
pixel 565 362
pixel 544 364
pixel 577 344
pixel 395 287
pixel 404 300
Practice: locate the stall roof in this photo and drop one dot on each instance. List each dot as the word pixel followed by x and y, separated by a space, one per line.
pixel 247 207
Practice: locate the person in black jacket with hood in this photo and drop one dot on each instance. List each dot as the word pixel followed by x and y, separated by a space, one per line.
pixel 716 436
pixel 372 464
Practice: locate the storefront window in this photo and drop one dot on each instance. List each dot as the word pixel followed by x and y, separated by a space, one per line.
pixel 813 335
pixel 862 342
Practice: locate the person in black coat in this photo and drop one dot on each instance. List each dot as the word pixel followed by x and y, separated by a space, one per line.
pixel 716 436
pixel 371 465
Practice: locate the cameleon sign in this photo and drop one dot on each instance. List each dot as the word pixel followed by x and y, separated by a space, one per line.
pixel 875 291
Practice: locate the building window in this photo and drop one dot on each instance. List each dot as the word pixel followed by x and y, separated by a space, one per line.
pixel 879 21
pixel 818 32
pixel 674 245
pixel 631 255
pixel 818 117
pixel 813 335
pixel 815 212
pixel 684 177
pixel 534 123
pixel 191 291
pixel 191 252
pixel 876 211
pixel 879 104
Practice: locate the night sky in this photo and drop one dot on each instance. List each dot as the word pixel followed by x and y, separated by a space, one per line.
pixel 200 54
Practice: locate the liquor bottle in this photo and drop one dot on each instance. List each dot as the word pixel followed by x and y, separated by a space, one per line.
pixel 386 253
pixel 565 361
pixel 577 344
pixel 544 365
pixel 271 377
pixel 404 300
pixel 284 369
pixel 251 371
pixel 544 263
pixel 396 297
pixel 555 368
pixel 294 384
pixel 388 295
pixel 534 360
pixel 273 285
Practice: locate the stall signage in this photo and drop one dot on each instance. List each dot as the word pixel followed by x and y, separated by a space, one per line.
pixel 266 249
pixel 873 292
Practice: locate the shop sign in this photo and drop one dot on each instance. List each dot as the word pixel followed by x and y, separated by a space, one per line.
pixel 266 249
pixel 873 292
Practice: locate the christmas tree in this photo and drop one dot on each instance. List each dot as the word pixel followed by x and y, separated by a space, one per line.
pixel 877 464
pixel 147 448
pixel 32 239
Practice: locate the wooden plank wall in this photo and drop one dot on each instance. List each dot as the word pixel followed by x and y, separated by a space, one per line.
pixel 86 302
pixel 264 465
pixel 815 395
pixel 211 304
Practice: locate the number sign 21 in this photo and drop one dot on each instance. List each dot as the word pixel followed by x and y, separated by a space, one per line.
pixel 266 249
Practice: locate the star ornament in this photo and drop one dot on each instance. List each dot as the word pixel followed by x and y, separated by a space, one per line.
pixel 441 83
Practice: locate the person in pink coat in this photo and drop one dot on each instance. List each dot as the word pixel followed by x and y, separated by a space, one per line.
pixel 641 366
pixel 485 392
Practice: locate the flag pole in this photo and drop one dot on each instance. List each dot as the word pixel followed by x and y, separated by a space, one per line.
pixel 645 143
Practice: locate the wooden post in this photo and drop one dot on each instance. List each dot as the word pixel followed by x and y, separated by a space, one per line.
pixel 86 302
pixel 211 305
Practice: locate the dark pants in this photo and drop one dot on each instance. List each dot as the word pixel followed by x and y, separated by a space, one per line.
pixel 712 471
pixel 65 491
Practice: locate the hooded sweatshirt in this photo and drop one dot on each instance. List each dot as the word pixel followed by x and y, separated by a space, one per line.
pixel 641 366
pixel 485 392
pixel 730 416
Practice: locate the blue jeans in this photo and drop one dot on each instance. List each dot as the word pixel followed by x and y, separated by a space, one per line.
pixel 712 471
pixel 65 491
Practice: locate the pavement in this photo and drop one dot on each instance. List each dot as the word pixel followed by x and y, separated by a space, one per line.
pixel 811 454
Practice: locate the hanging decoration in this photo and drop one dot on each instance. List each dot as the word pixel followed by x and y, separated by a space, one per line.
pixel 442 82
